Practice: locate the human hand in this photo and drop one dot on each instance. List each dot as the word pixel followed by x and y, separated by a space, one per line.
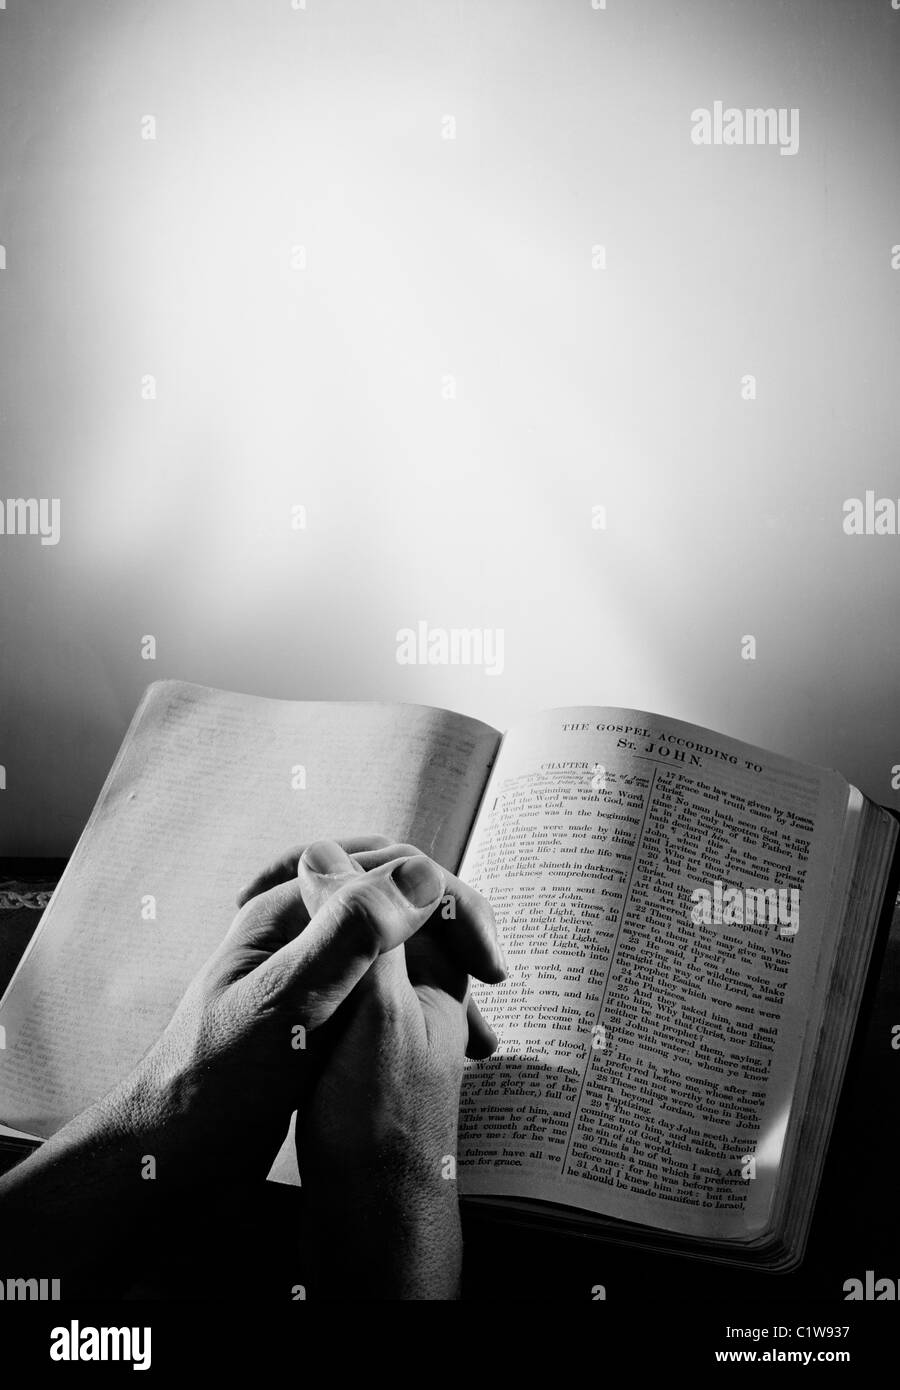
pixel 244 1045
pixel 477 918
pixel 213 1097
pixel 377 1137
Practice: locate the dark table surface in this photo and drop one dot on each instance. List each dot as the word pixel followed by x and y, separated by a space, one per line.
pixel 855 1228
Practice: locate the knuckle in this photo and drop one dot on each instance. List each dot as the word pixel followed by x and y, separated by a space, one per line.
pixel 262 989
pixel 386 1000
pixel 365 914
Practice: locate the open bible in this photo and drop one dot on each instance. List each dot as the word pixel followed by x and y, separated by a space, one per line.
pixel 688 922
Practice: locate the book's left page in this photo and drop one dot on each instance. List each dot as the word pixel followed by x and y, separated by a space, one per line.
pixel 207 789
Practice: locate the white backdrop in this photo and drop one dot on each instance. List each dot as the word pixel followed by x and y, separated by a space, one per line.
pixel 359 262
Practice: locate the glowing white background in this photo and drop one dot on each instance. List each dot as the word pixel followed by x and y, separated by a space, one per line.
pixel 425 257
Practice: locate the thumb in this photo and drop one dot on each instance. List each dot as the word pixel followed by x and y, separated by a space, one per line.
pixel 366 916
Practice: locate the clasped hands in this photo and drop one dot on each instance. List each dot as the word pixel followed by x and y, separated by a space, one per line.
pixel 341 991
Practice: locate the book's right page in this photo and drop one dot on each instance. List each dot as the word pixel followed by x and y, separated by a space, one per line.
pixel 648 1057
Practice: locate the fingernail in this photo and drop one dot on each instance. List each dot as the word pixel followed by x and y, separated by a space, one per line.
pixel 419 880
pixel 327 857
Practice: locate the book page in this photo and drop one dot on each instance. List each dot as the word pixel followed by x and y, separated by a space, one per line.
pixel 647 1062
pixel 208 788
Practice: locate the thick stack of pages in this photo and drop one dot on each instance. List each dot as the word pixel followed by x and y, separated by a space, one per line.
pixel 716 907
pixel 689 922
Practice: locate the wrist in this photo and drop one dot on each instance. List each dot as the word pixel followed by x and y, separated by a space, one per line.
pixel 383 1220
pixel 384 1240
